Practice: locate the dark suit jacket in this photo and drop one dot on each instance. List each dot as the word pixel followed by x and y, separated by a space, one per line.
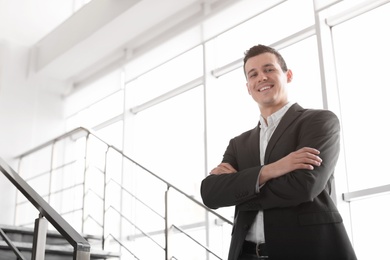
pixel 300 219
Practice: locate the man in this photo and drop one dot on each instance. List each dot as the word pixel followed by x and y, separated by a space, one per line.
pixel 279 175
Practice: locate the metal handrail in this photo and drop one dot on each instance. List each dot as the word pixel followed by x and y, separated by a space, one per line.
pixel 77 130
pixel 89 132
pixel 133 224
pixel 85 133
pixel 200 244
pixel 80 245
pixel 135 197
pixel 169 185
pixel 11 245
pixel 123 246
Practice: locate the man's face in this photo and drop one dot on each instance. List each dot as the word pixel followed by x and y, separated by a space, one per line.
pixel 266 81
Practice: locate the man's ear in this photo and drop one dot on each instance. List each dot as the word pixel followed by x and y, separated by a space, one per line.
pixel 247 88
pixel 289 75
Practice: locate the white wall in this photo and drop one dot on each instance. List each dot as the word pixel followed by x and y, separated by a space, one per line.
pixel 30 113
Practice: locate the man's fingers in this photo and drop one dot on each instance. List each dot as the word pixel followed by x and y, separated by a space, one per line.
pixel 307 155
pixel 309 150
pixel 311 158
pixel 305 166
pixel 306 158
pixel 227 166
pixel 223 168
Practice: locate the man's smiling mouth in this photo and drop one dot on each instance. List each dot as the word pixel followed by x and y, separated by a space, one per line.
pixel 264 88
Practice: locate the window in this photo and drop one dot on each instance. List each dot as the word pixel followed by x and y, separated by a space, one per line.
pixel 97 113
pixel 192 126
pixel 169 139
pixel 266 28
pixel 167 77
pixel 302 59
pixel 361 59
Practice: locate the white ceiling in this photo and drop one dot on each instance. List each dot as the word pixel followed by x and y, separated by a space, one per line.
pixel 68 46
pixel 27 21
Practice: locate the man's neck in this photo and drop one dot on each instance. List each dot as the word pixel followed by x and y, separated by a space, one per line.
pixel 266 111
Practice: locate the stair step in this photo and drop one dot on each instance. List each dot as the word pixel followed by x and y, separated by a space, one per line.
pixel 54 251
pixel 57 248
pixel 53 236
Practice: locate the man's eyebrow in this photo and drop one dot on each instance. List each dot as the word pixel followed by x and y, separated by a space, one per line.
pixel 264 66
pixel 268 65
pixel 251 70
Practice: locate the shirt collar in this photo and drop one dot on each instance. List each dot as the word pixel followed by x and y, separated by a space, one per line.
pixel 275 117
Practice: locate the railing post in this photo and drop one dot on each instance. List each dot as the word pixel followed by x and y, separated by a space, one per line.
pixel 39 241
pixel 47 214
pixel 51 171
pixel 17 193
pixel 167 227
pixel 104 197
pixel 81 255
pixel 83 217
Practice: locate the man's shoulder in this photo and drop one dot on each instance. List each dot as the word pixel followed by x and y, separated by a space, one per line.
pixel 249 133
pixel 319 112
pixel 313 118
pixel 312 111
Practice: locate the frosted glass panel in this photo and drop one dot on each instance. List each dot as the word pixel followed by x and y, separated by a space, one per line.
pixel 362 68
pixel 267 28
pixel 167 77
pixel 170 139
pixel 302 59
pixel 370 227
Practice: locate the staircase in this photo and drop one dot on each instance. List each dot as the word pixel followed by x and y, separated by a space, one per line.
pixel 57 248
pixel 82 185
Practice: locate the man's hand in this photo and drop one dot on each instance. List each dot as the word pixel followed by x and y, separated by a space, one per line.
pixel 223 168
pixel 304 158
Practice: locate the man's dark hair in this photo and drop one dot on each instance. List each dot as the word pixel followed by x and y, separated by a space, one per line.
pixel 260 49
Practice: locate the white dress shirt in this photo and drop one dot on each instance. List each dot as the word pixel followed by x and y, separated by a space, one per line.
pixel 267 128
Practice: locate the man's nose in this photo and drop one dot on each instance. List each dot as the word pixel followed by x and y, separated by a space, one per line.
pixel 262 77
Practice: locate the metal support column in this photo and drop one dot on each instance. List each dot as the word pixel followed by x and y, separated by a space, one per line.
pixel 39 242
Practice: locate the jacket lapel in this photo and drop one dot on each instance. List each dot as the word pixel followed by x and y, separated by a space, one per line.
pixel 254 146
pixel 292 113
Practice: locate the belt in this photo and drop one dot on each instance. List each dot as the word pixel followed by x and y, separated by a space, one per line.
pixel 259 249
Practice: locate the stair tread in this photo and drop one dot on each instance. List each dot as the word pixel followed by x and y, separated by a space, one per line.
pixel 28 230
pixel 64 249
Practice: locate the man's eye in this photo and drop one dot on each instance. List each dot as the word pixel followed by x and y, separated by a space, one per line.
pixel 268 70
pixel 253 75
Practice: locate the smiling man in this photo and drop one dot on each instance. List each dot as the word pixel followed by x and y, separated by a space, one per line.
pixel 279 175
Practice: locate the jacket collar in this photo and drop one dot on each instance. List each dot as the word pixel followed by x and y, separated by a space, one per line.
pixel 292 113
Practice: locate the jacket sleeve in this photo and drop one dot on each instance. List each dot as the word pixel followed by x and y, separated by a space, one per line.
pixel 320 130
pixel 232 189
pixel 229 189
